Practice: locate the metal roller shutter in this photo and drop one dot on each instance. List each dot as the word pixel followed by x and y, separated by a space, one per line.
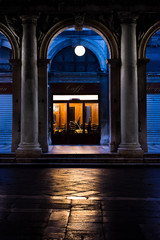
pixel 5 119
pixel 153 118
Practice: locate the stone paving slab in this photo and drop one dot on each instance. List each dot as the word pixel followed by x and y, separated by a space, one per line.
pixel 151 231
pixel 110 204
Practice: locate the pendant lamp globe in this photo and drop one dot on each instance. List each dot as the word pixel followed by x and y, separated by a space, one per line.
pixel 79 50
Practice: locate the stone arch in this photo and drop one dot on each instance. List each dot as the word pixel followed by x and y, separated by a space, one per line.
pixel 12 40
pixel 114 80
pixel 96 26
pixel 143 44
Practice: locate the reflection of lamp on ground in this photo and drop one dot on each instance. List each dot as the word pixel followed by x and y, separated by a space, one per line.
pixel 79 50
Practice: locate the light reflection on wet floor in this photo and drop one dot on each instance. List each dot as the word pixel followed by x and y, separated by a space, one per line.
pixel 79 203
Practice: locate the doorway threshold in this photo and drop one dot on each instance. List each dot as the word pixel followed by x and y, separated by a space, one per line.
pixel 78 149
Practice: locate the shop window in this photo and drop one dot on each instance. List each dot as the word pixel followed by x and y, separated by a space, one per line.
pixel 75 119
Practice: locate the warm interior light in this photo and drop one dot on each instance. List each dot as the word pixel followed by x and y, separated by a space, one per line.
pixel 70 97
pixel 79 50
pixel 77 198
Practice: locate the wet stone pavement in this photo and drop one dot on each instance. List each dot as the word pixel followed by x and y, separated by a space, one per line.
pixel 120 203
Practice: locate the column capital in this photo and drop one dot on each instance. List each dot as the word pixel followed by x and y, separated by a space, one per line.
pixel 29 19
pixel 128 18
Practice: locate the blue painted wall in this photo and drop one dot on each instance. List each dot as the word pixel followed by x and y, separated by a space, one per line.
pixel 5 99
pixel 153 100
pixel 5 119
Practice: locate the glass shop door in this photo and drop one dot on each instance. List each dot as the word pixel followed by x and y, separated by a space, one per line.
pixel 75 121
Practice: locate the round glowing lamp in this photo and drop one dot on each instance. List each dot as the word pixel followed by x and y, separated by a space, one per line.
pixel 79 50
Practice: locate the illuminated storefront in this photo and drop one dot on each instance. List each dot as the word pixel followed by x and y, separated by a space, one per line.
pixel 75 118
pixel 78 81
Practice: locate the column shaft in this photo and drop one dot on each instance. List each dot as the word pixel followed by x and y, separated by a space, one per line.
pixel 29 90
pixel 129 91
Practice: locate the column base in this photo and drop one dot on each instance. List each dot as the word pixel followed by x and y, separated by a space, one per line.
pixel 130 150
pixel 28 150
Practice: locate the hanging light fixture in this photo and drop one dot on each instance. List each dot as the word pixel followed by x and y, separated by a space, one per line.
pixel 79 50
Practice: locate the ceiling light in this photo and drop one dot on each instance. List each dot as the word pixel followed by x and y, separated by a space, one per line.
pixel 79 50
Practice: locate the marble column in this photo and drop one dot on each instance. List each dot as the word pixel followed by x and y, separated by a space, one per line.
pixel 29 145
pixel 129 90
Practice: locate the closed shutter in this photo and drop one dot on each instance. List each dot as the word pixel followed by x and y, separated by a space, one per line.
pixel 5 119
pixel 153 118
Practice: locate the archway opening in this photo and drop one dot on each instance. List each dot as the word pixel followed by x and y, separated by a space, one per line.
pixel 153 92
pixel 5 94
pixel 75 118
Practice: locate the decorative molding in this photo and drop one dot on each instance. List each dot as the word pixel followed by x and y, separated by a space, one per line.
pixel 6 88
pixel 153 88
pixel 14 24
pixel 13 40
pixel 44 23
pixel 90 23
pixel 29 19
pixel 128 17
pixel 144 23
pixel 111 21
pixel 79 21
pixel 146 37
